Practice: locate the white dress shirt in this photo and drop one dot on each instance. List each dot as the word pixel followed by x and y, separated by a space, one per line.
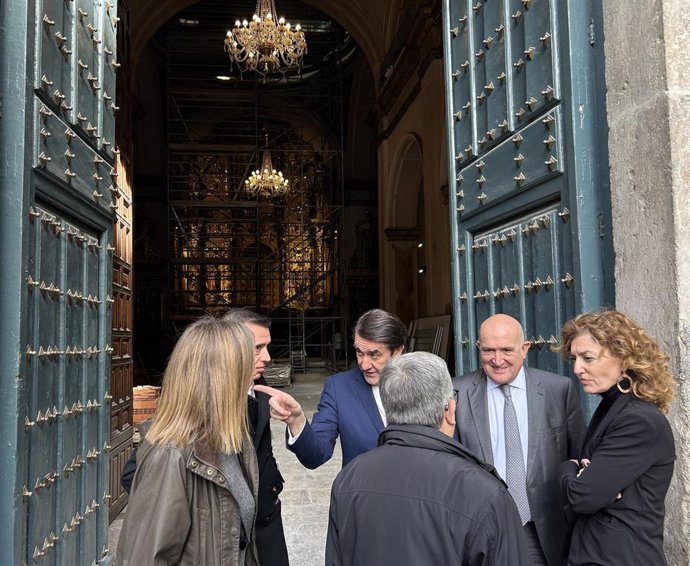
pixel 496 401
pixel 379 404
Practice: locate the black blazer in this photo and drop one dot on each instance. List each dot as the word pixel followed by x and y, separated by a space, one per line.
pixel 270 479
pixel 632 454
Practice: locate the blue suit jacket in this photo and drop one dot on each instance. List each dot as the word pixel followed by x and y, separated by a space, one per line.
pixel 346 408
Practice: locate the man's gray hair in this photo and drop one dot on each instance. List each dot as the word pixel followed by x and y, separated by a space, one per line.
pixel 415 389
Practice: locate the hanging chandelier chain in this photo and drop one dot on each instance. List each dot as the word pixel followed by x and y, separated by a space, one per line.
pixel 266 45
pixel 264 7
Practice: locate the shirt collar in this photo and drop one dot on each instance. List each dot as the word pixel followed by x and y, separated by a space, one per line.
pixel 520 382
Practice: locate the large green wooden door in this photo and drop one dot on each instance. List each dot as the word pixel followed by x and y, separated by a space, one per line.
pixel 57 127
pixel 530 205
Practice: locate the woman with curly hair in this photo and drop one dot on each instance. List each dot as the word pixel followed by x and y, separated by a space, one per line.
pixel 615 492
pixel 193 500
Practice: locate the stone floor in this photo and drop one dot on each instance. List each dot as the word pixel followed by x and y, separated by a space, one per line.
pixel 306 493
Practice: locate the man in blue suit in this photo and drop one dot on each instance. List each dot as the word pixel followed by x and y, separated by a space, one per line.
pixel 350 404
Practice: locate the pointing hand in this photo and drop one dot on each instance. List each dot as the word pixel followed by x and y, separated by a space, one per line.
pixel 284 408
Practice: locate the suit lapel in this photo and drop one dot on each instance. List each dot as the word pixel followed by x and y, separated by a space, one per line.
pixel 535 416
pixel 366 397
pixel 263 413
pixel 480 414
pixel 264 416
pixel 616 408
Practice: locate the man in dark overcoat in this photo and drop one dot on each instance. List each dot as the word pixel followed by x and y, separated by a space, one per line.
pixel 420 497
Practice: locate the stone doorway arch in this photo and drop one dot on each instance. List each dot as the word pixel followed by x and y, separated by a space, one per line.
pixel 405 264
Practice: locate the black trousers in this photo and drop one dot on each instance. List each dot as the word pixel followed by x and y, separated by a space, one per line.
pixel 270 540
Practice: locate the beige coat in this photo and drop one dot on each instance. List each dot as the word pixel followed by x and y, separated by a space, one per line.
pixel 181 512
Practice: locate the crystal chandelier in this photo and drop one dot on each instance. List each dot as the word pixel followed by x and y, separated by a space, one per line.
pixel 267 181
pixel 266 44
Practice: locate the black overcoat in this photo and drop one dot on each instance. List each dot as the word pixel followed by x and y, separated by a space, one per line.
pixel 421 498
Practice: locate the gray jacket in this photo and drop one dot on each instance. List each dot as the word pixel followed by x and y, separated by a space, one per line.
pixel 181 512
pixel 556 431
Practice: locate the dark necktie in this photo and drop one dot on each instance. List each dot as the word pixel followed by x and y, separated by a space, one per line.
pixel 516 478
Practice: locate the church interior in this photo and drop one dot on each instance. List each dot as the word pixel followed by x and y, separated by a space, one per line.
pixel 443 160
pixel 356 217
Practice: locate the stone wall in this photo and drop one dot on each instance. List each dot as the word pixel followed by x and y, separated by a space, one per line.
pixel 423 120
pixel 648 105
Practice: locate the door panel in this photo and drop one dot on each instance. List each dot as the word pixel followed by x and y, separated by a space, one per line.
pixel 87 67
pixel 65 370
pixel 54 34
pixel 44 286
pixel 69 159
pixel 116 19
pixel 67 253
pixel 109 71
pixel 521 96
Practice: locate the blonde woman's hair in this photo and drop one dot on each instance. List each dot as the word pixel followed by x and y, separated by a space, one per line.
pixel 204 395
pixel 642 359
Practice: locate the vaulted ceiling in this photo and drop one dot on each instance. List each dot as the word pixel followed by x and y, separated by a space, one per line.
pixel 371 23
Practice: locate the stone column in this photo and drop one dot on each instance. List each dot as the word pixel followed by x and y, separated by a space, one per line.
pixel 648 104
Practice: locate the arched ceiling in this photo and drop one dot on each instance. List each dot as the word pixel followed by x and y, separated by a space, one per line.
pixel 367 21
pixel 408 175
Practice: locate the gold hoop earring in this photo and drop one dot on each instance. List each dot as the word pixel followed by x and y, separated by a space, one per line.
pixel 622 389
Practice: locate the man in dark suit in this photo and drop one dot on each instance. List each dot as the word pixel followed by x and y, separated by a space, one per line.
pixel 545 426
pixel 270 537
pixel 350 405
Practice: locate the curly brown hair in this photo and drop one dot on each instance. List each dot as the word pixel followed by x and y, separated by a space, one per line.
pixel 642 359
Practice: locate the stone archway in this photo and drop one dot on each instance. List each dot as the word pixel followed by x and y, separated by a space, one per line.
pixel 402 277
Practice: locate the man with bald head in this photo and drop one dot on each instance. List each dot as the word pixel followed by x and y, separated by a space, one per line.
pixel 525 422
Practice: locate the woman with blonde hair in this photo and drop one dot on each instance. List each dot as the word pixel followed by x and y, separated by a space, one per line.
pixel 193 500
pixel 616 489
